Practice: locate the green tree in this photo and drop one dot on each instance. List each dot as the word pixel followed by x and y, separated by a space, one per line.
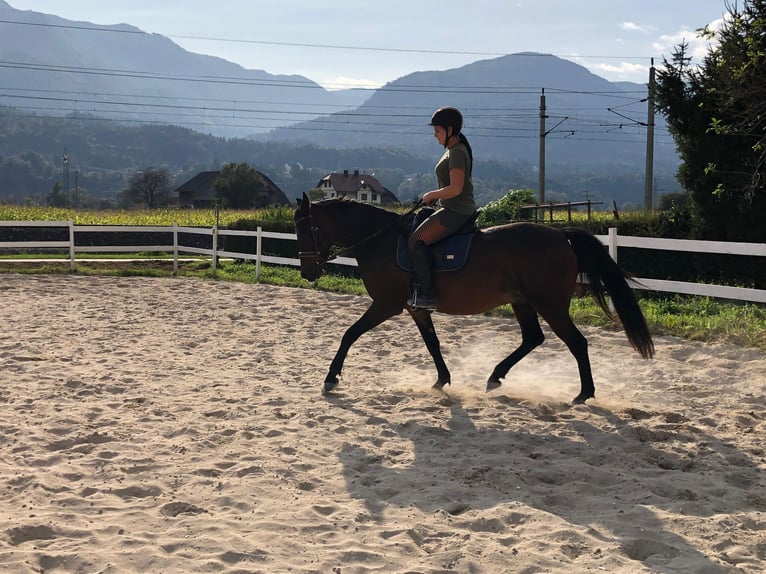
pixel 149 188
pixel 240 186
pixel 673 200
pixel 57 197
pixel 717 115
pixel 415 185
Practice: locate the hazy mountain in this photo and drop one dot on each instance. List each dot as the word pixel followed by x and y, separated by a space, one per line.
pixel 501 101
pixel 48 65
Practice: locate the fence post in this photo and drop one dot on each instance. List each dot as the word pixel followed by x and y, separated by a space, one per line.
pixel 258 243
pixel 613 243
pixel 175 249
pixel 215 248
pixel 613 255
pixel 71 245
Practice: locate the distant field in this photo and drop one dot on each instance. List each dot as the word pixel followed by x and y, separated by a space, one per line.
pixel 187 217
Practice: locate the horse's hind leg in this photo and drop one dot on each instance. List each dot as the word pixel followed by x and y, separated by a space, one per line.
pixel 531 337
pixel 561 324
pixel 426 327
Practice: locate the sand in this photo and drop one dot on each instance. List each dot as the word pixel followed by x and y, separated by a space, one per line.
pixel 177 426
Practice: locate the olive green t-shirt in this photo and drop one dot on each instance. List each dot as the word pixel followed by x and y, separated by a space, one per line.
pixel 457 156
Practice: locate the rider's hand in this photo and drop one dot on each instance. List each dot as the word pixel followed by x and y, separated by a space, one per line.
pixel 430 198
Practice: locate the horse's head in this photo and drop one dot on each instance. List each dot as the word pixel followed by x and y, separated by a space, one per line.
pixel 313 248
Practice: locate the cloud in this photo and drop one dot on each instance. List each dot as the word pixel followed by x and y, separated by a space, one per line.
pixel 633 27
pixel 623 71
pixel 617 72
pixel 345 83
pixel 697 47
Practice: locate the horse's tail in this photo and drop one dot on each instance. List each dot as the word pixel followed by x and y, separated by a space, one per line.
pixel 606 276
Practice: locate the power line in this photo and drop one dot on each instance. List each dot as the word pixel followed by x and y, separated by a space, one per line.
pixel 305 83
pixel 413 113
pixel 236 111
pixel 79 97
pixel 312 45
pixel 516 117
pixel 330 127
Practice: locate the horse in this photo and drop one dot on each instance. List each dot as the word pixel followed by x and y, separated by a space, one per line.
pixel 532 267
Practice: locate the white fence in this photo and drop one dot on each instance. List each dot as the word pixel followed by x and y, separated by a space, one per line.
pixel 612 241
pixel 176 247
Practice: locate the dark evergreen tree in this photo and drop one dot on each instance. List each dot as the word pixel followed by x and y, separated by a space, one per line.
pixel 717 115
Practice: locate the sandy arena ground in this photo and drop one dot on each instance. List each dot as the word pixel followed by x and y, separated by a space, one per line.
pixel 177 426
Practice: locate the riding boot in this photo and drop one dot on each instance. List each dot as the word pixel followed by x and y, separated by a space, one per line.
pixel 423 294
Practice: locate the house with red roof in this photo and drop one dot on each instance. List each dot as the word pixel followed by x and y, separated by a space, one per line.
pixel 362 187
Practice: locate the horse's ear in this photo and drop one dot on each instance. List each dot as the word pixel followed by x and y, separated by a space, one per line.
pixel 305 202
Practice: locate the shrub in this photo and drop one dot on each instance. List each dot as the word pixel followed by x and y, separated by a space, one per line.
pixel 507 208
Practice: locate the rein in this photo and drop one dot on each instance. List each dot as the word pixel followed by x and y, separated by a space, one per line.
pixel 317 238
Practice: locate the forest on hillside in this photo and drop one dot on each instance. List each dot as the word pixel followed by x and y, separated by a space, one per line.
pixel 97 157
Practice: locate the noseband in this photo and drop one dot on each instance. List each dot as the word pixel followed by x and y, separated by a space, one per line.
pixel 316 240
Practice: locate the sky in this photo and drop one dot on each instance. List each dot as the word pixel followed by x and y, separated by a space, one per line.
pixel 359 43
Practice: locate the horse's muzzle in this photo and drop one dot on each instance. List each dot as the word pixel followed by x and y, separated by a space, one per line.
pixel 312 266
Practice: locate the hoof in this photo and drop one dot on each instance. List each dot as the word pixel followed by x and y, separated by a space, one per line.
pixel 580 399
pixel 493 383
pixel 329 385
pixel 439 385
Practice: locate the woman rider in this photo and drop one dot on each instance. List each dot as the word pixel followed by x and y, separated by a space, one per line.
pixel 455 192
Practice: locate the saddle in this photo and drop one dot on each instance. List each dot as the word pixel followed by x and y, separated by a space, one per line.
pixel 449 254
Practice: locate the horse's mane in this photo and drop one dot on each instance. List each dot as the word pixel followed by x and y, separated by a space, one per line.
pixel 345 202
pixel 344 199
pixel 358 217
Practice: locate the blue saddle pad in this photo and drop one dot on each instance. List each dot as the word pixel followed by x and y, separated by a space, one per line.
pixel 449 254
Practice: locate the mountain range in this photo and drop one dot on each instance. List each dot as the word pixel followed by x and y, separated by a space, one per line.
pixel 50 64
pixel 52 67
pixel 588 119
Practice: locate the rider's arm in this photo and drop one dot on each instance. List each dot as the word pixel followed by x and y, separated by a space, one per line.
pixel 455 187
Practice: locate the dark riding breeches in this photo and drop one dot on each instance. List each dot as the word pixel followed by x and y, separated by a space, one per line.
pixel 438 226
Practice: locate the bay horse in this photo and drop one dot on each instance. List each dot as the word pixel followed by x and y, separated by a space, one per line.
pixel 530 266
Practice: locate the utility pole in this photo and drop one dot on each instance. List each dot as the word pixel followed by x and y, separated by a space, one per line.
pixel 65 172
pixel 541 170
pixel 649 175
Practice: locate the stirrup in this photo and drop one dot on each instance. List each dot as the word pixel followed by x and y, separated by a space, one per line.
pixel 418 301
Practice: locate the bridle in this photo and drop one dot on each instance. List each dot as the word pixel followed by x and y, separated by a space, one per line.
pixel 317 240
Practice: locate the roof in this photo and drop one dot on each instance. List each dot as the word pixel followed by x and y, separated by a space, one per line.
pixel 201 186
pixel 349 183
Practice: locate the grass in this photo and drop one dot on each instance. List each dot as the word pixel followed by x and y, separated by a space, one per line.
pixel 694 318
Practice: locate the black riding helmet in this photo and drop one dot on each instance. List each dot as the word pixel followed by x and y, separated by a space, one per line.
pixel 448 117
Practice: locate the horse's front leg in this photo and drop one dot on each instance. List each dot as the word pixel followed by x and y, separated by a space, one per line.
pixel 426 327
pixel 371 318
